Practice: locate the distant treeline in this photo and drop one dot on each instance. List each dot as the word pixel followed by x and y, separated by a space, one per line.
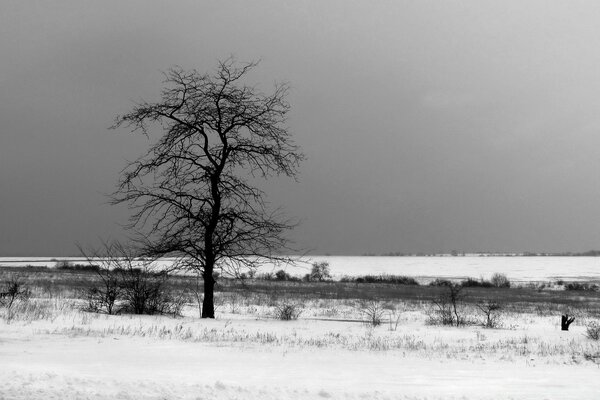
pixel 454 253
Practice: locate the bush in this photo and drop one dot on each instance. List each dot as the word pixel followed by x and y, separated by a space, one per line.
pixel 13 292
pixel 288 311
pixel 265 276
pixel 470 282
pixel 447 306
pixel 581 286
pixel 128 280
pixel 281 275
pixel 593 330
pixel 389 279
pixel 172 304
pixel 320 271
pixel 103 298
pixel 372 311
pixel 144 292
pixel 491 312
pixel 500 281
pixel 67 266
pixel 440 282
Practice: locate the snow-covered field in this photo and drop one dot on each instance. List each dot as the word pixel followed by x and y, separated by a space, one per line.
pixel 55 351
pixel 521 269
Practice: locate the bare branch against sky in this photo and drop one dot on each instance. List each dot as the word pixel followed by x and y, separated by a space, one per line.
pixel 427 125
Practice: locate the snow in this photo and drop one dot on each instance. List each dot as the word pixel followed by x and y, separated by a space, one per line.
pixel 124 368
pixel 75 355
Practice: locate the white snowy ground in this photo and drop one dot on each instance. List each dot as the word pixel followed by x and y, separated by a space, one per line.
pixel 74 355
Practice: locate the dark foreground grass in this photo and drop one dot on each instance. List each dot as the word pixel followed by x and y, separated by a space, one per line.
pixel 73 282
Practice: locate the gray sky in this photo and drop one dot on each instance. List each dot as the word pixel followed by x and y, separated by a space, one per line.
pixel 428 125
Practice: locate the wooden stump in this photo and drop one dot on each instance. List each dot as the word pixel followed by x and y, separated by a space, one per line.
pixel 565 321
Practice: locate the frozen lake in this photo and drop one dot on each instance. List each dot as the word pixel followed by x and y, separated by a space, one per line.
pixel 516 268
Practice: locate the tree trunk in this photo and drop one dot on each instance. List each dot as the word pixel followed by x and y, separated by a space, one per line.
pixel 565 321
pixel 456 315
pixel 208 304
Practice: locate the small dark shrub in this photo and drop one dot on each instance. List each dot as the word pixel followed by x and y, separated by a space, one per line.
pixel 288 311
pixel 144 292
pixel 581 286
pixel 372 311
pixel 389 279
pixel 470 282
pixel 500 281
pixel 171 303
pixel 320 271
pixel 103 298
pixel 62 264
pixel 440 282
pixel 281 275
pixel 128 279
pixel 265 276
pixel 127 270
pixel 13 291
pixel 446 310
pixel 67 266
pixel 593 330
pixel 491 312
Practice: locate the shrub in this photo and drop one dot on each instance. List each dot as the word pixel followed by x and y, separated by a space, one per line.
pixel 593 330
pixel 393 319
pixel 265 276
pixel 127 279
pixel 440 282
pixel 372 311
pixel 13 292
pixel 491 312
pixel 288 311
pixel 281 275
pixel 470 282
pixel 103 298
pixel 446 307
pixel 389 279
pixel 320 271
pixel 144 292
pixel 172 304
pixel 500 281
pixel 581 286
pixel 67 266
pixel 62 264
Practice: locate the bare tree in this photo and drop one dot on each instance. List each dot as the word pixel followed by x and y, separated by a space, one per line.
pixel 448 304
pixel 192 192
pixel 491 311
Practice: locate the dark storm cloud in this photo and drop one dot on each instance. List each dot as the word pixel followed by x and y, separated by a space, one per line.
pixel 428 126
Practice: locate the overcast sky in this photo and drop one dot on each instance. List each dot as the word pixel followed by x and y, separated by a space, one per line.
pixel 428 125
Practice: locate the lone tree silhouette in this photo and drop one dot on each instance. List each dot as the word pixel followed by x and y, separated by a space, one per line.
pixel 191 193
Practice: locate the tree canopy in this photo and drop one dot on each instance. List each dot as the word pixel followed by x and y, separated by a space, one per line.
pixel 192 192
